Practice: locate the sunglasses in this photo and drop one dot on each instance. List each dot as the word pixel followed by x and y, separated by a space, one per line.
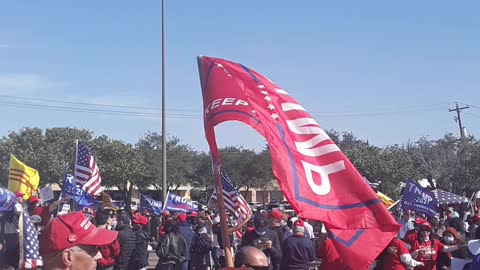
pixel 252 267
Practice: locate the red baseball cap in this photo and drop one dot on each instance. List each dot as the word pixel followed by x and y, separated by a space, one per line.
pixel 419 221
pixel 19 194
pixel 182 217
pixel 33 199
pixel 426 225
pixel 70 230
pixel 275 214
pixel 139 219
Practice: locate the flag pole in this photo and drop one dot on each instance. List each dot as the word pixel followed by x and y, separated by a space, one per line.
pixel 223 216
pixel 74 169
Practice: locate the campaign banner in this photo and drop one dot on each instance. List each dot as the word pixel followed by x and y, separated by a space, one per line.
pixel 151 205
pixel 178 204
pixel 7 200
pixel 76 193
pixel 418 199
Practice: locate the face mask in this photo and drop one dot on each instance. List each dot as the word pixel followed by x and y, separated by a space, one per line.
pixel 260 233
pixel 114 225
pixel 448 239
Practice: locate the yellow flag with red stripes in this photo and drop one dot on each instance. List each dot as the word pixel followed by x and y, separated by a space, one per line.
pixel 22 178
pixel 385 199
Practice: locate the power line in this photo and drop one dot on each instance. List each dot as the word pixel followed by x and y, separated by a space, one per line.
pixel 191 116
pixel 81 110
pixel 89 104
pixel 323 115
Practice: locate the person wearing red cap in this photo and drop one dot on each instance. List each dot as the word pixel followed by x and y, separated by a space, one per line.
pixel 188 235
pixel 411 235
pixel 44 213
pixel 19 196
pixel 426 249
pixel 70 242
pixel 276 219
pixel 297 250
pixel 140 253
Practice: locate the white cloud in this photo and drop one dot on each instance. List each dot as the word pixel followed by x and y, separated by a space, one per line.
pixel 24 84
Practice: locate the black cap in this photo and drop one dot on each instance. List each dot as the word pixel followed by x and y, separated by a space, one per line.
pixel 261 222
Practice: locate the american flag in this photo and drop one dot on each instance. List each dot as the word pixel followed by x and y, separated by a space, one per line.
pixel 29 239
pixel 87 173
pixel 234 201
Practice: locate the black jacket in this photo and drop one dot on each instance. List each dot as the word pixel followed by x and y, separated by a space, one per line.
pixel 127 239
pixel 275 254
pixel 140 253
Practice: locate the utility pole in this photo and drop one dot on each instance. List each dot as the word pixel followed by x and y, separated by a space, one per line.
pixel 458 117
pixel 164 120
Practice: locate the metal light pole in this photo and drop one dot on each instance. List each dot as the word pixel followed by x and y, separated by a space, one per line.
pixel 164 126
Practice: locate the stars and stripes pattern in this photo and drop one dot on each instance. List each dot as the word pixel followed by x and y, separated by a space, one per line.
pixel 234 201
pixel 31 258
pixel 445 197
pixel 87 173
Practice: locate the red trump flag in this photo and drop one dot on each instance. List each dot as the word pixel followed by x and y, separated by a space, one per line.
pixel 315 176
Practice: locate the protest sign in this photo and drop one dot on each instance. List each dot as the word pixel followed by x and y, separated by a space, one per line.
pixel 151 205
pixel 418 199
pixel 46 194
pixel 7 200
pixel 178 204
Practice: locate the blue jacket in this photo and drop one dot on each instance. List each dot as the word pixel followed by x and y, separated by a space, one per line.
pixel 297 253
pixel 188 235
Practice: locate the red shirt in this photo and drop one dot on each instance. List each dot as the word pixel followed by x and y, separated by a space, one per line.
pixel 43 213
pixel 430 256
pixel 330 258
pixel 392 261
pixel 109 252
pixel 410 237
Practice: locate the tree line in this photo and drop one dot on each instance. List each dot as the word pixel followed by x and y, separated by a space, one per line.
pixel 453 162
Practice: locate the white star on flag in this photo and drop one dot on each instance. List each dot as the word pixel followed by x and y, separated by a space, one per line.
pixel 271 107
pixel 219 65
pixel 274 116
pixel 261 86
pixel 264 92
pixel 254 112
pixel 267 98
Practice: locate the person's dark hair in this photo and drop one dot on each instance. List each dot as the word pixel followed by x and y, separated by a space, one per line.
pixel 169 226
pixel 123 219
pixel 101 217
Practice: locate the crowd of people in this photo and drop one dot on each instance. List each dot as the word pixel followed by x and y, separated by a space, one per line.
pixel 111 239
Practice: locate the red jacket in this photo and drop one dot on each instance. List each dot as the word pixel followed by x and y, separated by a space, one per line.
pixel 109 252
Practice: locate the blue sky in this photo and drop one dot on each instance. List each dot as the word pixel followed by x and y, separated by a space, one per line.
pixel 387 71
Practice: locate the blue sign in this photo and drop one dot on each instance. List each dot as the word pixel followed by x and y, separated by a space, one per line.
pixel 178 204
pixel 418 199
pixel 151 205
pixel 76 193
pixel 7 200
